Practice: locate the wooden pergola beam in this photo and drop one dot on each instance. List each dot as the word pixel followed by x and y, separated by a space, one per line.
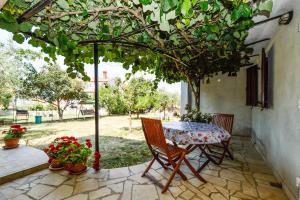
pixel 288 20
pixel 258 41
pixel 33 10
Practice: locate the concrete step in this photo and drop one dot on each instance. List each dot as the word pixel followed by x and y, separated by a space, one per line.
pixel 20 162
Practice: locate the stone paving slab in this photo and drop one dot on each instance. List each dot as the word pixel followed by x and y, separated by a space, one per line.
pixel 246 177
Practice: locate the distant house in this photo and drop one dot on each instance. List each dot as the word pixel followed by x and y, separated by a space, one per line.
pixel 104 79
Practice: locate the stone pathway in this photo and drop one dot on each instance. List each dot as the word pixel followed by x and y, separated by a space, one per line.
pixel 247 177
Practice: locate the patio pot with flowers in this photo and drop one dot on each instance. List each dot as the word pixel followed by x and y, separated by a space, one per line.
pixel 69 153
pixel 53 152
pixel 76 155
pixel 13 135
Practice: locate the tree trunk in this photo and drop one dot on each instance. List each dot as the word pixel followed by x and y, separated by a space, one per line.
pixel 197 101
pixel 196 93
pixel 137 115
pixel 164 114
pixel 130 121
pixel 60 111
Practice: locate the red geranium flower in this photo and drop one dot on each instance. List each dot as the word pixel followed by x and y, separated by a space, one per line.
pixel 50 159
pixel 88 143
pixel 16 126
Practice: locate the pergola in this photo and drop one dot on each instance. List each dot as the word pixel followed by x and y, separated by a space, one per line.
pixel 207 36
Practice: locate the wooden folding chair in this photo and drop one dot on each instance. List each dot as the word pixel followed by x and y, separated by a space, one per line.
pixel 161 150
pixel 225 121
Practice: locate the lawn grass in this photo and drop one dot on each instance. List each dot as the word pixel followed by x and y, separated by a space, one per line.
pixel 119 146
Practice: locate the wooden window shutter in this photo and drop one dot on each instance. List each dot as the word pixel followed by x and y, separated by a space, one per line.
pixel 264 80
pixel 252 86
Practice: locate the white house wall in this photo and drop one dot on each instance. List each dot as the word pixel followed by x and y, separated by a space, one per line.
pixel 224 95
pixel 228 95
pixel 278 129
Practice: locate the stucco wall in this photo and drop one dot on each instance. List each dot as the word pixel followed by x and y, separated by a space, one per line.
pixel 184 97
pixel 225 95
pixel 228 95
pixel 278 129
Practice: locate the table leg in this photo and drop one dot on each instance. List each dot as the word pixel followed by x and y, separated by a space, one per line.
pixel 207 155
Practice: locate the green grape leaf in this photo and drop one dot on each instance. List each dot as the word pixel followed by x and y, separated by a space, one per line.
pixel 145 2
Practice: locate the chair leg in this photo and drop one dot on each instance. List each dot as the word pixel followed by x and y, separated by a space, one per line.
pixel 194 171
pixel 209 149
pixel 161 162
pixel 178 171
pixel 226 146
pixel 226 150
pixel 176 168
pixel 149 166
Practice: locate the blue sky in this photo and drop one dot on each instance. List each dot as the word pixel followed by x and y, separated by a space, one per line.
pixel 113 69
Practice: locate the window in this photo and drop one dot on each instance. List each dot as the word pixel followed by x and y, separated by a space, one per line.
pixel 259 91
pixel 252 86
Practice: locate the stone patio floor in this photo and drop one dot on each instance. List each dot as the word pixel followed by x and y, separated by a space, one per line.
pixel 247 177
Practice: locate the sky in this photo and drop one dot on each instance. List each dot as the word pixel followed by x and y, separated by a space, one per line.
pixel 113 69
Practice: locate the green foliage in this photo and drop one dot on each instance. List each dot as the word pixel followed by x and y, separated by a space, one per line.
pixel 189 40
pixel 37 107
pixel 193 115
pixel 111 98
pixel 12 63
pixel 53 86
pixel 5 99
pixel 138 95
pixel 163 100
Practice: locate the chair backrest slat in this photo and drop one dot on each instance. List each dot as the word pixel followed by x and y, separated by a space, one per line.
pixel 224 120
pixel 154 134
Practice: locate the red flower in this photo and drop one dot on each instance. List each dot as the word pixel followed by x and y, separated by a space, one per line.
pixel 46 150
pixel 16 126
pixel 70 150
pixel 96 164
pixel 50 159
pixel 76 143
pixel 88 143
pixel 58 146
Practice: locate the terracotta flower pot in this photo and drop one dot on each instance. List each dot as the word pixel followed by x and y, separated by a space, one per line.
pixel 11 143
pixel 75 168
pixel 78 168
pixel 56 165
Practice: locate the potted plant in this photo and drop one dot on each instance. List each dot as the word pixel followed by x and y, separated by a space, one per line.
pixel 55 151
pixel 13 135
pixel 70 153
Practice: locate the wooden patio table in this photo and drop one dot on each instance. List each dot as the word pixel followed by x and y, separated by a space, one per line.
pixel 195 135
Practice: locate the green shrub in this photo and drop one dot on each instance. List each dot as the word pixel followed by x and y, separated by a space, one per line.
pixel 193 115
pixel 38 107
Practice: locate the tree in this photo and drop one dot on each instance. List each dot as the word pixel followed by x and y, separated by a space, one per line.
pixel 162 101
pixel 138 95
pixel 52 85
pixel 5 99
pixel 12 63
pixel 111 97
pixel 165 100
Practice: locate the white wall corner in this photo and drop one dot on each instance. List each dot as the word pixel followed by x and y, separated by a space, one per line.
pixel 298 182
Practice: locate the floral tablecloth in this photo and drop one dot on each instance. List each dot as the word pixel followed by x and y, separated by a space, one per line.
pixel 194 133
